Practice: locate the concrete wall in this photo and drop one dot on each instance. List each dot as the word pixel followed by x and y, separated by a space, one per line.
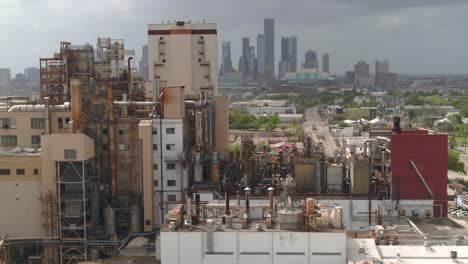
pixel 173 104
pixel 20 197
pixel 145 134
pixel 221 112
pixel 23 129
pixel 254 247
pixel 187 55
pixel 53 147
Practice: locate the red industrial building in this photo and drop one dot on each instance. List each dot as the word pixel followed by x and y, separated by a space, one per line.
pixel 419 163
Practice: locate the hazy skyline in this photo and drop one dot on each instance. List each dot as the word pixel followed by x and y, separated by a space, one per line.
pixel 416 36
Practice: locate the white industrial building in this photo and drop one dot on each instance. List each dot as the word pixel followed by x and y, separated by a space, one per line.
pixel 171 151
pixel 247 247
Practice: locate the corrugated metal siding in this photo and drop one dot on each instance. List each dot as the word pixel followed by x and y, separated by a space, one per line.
pixel 430 154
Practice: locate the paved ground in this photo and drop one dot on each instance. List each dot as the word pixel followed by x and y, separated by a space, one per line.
pixel 321 133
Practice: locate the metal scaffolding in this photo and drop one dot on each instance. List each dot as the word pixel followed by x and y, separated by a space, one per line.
pixel 74 186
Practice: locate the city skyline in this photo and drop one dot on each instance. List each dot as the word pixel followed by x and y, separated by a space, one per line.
pixel 402 32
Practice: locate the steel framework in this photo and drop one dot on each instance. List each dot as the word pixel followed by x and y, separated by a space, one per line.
pixel 74 184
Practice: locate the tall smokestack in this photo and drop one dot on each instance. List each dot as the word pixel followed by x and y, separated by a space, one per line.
pixel 226 198
pixel 76 104
pixel 270 197
pixel 197 205
pixel 247 199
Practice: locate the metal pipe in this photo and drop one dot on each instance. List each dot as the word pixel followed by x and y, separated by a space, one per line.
pixel 226 199
pixel 129 66
pixel 222 206
pixel 197 205
pixel 111 137
pixel 422 179
pixel 76 104
pixel 134 103
pixel 270 197
pixel 247 199
pixel 47 116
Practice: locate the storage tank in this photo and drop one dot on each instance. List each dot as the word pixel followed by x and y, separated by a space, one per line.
pixel 135 219
pixel 291 219
pixel 109 220
pixel 304 172
pixel 335 178
pixel 336 217
pixel 360 179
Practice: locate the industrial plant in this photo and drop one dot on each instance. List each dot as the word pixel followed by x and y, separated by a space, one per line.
pixel 106 166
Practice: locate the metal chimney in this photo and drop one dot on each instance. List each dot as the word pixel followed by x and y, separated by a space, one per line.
pixel 270 197
pixel 247 199
pixel 396 125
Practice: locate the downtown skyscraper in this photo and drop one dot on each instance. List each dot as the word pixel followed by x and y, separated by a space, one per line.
pixel 326 63
pixel 310 60
pixel 288 61
pixel 260 54
pixel 226 62
pixel 269 33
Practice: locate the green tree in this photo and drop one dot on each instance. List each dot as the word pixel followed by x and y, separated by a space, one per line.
pixel 414 100
pixel 456 119
pixel 464 111
pixel 454 163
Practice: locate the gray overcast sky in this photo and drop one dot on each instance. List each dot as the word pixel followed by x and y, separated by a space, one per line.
pixel 417 36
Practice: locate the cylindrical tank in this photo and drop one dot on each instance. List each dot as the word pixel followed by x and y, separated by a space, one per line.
pixel 135 219
pixel 336 217
pixel 335 178
pixel 94 254
pixel 109 220
pixel 198 169
pixel 291 219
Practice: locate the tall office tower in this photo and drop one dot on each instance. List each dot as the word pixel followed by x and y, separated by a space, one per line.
pixel 32 74
pixel 288 61
pixel 242 66
pixel 381 66
pixel 169 48
pixel 5 77
pixel 260 54
pixel 383 78
pixel 283 68
pixel 143 64
pixel 269 32
pixel 284 63
pixel 285 55
pixel 310 60
pixel 326 63
pixel 349 77
pixel 362 74
pixel 293 53
pixel 245 53
pixel 251 62
pixel 361 69
pixel 226 62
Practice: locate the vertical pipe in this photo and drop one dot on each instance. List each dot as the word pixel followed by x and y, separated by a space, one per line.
pixel 270 197
pixel 161 196
pixel 226 198
pixel 130 77
pixel 189 206
pixel 197 205
pixel 47 116
pixel 369 192
pixel 111 137
pixel 76 104
pixel 247 199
